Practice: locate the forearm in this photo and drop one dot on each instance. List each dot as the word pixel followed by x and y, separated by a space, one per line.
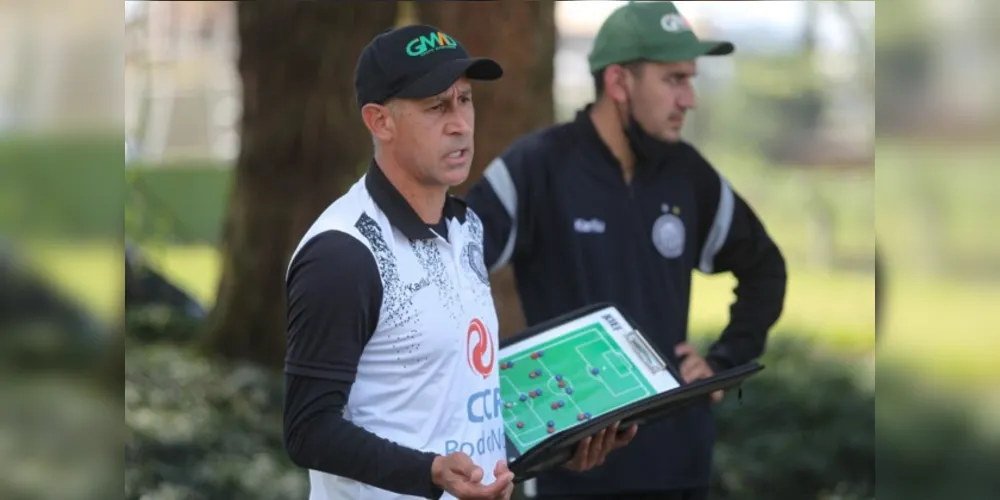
pixel 760 296
pixel 317 437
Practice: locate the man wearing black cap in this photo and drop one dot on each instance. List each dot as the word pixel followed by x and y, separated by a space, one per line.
pixel 392 388
pixel 614 206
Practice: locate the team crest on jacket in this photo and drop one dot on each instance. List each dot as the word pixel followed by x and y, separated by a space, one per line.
pixel 669 235
pixel 476 262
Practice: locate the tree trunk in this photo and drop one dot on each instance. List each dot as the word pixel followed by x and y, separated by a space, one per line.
pixel 522 38
pixel 303 143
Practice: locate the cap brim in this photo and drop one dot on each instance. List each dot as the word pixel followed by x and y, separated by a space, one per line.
pixel 440 78
pixel 716 48
pixel 691 51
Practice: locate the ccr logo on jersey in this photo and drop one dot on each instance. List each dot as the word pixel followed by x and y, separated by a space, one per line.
pixel 484 405
pixel 479 349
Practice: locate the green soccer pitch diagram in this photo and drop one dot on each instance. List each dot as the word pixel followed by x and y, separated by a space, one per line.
pixel 575 372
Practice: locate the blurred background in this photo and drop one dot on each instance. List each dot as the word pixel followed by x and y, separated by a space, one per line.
pixel 217 192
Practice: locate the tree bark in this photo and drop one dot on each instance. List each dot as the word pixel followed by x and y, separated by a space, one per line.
pixel 303 143
pixel 521 36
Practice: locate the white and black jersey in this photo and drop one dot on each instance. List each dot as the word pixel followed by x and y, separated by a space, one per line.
pixel 392 339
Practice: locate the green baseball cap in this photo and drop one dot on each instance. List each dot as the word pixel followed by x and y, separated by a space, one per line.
pixel 653 31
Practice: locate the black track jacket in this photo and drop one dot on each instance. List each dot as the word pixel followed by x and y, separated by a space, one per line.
pixel 556 207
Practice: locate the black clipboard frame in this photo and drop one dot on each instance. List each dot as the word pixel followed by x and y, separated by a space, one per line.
pixel 558 449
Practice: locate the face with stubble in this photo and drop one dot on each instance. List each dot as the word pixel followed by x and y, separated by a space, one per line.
pixel 659 94
pixel 432 138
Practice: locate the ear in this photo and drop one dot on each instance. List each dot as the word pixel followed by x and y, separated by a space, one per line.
pixel 617 82
pixel 379 120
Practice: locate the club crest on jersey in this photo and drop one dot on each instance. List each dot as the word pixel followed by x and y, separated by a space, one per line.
pixel 669 235
pixel 479 349
pixel 476 262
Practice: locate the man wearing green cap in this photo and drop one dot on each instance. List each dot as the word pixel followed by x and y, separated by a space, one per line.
pixel 614 206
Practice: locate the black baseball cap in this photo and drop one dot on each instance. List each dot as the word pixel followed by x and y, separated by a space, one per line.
pixel 415 62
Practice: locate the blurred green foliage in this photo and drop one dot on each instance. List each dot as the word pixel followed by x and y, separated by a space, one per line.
pixel 177 203
pixel 59 438
pixel 929 446
pixel 56 437
pixel 156 324
pixel 804 428
pixel 42 328
pixel 66 186
pixel 779 77
pixel 203 430
pixel 900 23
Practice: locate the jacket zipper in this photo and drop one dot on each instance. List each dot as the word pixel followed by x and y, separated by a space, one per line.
pixel 633 202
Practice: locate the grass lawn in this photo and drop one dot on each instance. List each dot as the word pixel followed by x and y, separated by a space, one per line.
pixel 837 308
pixel 933 325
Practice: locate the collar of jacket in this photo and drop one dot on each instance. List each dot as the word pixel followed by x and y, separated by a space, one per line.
pixel 651 153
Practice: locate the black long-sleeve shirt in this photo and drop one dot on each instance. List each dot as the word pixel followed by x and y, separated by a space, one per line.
pixel 334 295
pixel 556 207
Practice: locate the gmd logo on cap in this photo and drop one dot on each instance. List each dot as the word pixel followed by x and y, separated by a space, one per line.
pixel 674 23
pixel 425 44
